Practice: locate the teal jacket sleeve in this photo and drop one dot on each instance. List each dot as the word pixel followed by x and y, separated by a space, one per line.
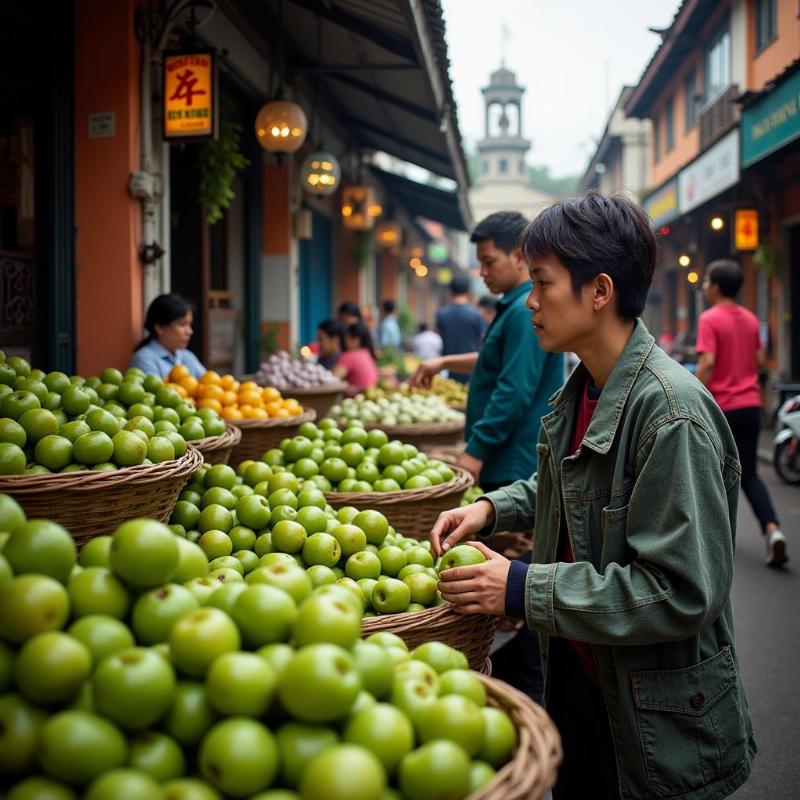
pixel 514 506
pixel 522 363
pixel 682 544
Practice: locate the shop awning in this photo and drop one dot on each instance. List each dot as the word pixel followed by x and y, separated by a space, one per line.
pixel 422 200
pixel 383 73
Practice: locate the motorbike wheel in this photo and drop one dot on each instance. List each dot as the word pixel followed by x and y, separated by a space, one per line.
pixel 787 461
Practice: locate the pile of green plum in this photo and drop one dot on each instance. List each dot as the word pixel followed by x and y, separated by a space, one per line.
pixel 261 525
pixel 471 495
pixel 122 678
pixel 56 423
pixel 355 460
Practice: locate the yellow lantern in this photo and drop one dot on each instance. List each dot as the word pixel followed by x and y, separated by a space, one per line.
pixel 321 173
pixel 388 234
pixel 357 200
pixel 281 126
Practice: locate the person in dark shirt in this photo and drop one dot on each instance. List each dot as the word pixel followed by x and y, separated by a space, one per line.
pixel 329 343
pixel 459 324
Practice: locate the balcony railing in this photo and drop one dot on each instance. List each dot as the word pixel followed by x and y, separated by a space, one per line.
pixel 718 117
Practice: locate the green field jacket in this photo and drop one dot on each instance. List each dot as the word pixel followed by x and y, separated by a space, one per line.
pixel 649 500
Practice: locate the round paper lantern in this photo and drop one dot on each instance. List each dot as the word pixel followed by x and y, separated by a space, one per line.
pixel 281 126
pixel 321 173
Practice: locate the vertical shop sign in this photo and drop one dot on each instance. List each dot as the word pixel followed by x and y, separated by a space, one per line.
pixel 190 95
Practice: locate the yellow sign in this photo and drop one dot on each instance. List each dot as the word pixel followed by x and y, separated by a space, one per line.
pixel 745 229
pixel 190 95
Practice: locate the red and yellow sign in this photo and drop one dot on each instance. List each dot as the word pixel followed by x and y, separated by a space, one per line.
pixel 745 229
pixel 190 95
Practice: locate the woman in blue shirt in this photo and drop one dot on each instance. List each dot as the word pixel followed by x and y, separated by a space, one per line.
pixel 169 329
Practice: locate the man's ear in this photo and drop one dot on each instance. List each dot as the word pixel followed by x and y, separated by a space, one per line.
pixel 602 291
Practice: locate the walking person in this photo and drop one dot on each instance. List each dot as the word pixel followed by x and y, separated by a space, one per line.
pixel 730 354
pixel 634 507
pixel 426 343
pixel 512 378
pixel 389 329
pixel 460 326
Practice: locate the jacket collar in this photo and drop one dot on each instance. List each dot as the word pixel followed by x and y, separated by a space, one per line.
pixel 607 415
pixel 509 297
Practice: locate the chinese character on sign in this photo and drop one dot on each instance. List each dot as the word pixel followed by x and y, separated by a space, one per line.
pixel 746 229
pixel 190 95
pixel 185 89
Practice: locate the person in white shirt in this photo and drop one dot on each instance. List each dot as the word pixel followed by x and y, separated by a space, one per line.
pixel 426 343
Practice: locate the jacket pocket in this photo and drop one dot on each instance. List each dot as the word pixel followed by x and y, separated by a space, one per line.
pixel 613 542
pixel 691 723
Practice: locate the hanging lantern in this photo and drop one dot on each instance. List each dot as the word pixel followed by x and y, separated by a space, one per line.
pixel 281 126
pixel 357 200
pixel 388 234
pixel 321 173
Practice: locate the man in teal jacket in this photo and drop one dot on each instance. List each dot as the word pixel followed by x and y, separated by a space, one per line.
pixel 634 506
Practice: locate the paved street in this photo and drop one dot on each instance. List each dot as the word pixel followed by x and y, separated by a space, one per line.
pixel 767 622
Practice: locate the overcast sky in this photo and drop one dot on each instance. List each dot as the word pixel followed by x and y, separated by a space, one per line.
pixel 572 56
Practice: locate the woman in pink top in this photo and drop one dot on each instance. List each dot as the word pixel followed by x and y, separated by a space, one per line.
pixel 731 353
pixel 356 364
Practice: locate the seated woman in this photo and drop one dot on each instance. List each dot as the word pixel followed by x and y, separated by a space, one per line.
pixel 329 343
pixel 169 329
pixel 356 365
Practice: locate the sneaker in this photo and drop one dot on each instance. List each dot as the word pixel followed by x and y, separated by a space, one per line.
pixel 776 549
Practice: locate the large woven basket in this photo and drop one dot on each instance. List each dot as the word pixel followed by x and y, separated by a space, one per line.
pixel 471 634
pixel 90 504
pixel 321 398
pixel 412 512
pixel 260 435
pixel 424 435
pixel 534 767
pixel 218 449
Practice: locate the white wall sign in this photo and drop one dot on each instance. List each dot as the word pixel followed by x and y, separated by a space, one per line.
pixel 712 173
pixel 103 125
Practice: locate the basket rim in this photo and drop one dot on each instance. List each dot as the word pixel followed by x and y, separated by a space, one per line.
pixel 417 428
pixel 309 415
pixel 406 622
pixel 318 389
pixel 230 438
pixel 460 482
pixel 87 480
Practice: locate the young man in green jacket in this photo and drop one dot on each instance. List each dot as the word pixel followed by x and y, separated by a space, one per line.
pixel 634 505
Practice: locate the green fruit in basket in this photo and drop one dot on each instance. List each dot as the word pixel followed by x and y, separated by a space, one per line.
pixel 107 466
pixel 73 430
pixel 166 396
pixel 454 718
pixel 19 365
pixel 264 614
pixel 42 547
pixel 167 414
pixel 12 459
pixel 321 548
pixel 215 517
pixel 178 443
pixel 256 472
pixel 362 565
pixel 392 559
pixel 12 516
pixel 220 475
pixel 215 543
pixel 190 714
pixel 39 788
pixel 298 744
pixel 96 552
pixel 141 424
pixel 131 392
pixel 192 429
pixel 75 401
pixel 422 588
pixel 140 410
pixel 101 635
pixel 282 497
pixel 20 727
pixel 38 423
pixel 465 683
pixel 99 419
pixel 311 495
pixel 192 562
pixel 253 511
pixel 111 375
pixel 30 604
pixel 156 611
pixel 129 449
pixel 284 480
pixel 107 391
pixel 241 683
pixel 30 384
pixel 163 426
pixel 383 730
pixel 214 426
pixel 288 536
pixel 297 448
pixel 51 667
pixel 225 597
pixel 242 537
pixel 160 449
pixel 352 454
pixel 312 518
pixel 202 587
pixel 227 563
pixel 95 590
pixel 144 553
pixel 322 618
pixel 201 636
pixel 11 432
pixel 440 656
pixel 500 737
pixel 273 457
pixel 290 578
pixel 462 555
pixel 14 405
pixel 321 575
pixel 186 514
pixel 390 596
pixel 344 772
pixel 435 770
pixel 129 783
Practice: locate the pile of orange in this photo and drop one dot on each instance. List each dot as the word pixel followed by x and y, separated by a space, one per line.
pixel 231 398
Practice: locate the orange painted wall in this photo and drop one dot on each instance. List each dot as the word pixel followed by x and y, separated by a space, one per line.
pixel 346 274
pixel 276 233
pixel 109 276
pixel 764 66
pixel 389 267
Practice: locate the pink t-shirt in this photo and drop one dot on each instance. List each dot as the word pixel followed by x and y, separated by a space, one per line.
pixel 361 370
pixel 731 333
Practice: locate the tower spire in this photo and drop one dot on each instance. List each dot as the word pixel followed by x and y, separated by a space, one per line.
pixel 505 40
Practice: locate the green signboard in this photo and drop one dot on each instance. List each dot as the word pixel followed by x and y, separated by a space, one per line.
pixel 772 122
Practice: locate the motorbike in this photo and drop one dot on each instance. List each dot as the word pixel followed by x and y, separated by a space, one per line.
pixel 786 457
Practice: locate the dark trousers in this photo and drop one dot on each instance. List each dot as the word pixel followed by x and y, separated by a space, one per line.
pixel 576 705
pixel 745 424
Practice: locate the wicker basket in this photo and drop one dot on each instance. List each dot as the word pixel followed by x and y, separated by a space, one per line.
pixel 534 767
pixel 218 449
pixel 321 398
pixel 423 435
pixel 90 504
pixel 260 435
pixel 472 634
pixel 411 511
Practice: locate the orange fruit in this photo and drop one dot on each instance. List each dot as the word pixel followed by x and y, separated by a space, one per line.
pixel 256 413
pixel 229 398
pixel 245 409
pixel 273 408
pixel 229 412
pixel 211 391
pixel 190 384
pixel 282 413
pixel 211 377
pixel 270 393
pixel 229 383
pixel 251 398
pixel 291 402
pixel 178 372
pixel 208 402
pixel 249 386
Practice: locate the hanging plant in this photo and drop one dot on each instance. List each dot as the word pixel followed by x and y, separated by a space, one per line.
pixel 363 249
pixel 765 257
pixel 220 159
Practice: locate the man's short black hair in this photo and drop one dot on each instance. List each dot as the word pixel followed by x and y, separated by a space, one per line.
pixel 459 284
pixel 503 228
pixel 388 306
pixel 597 233
pixel 350 309
pixel 727 275
pixel 331 328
